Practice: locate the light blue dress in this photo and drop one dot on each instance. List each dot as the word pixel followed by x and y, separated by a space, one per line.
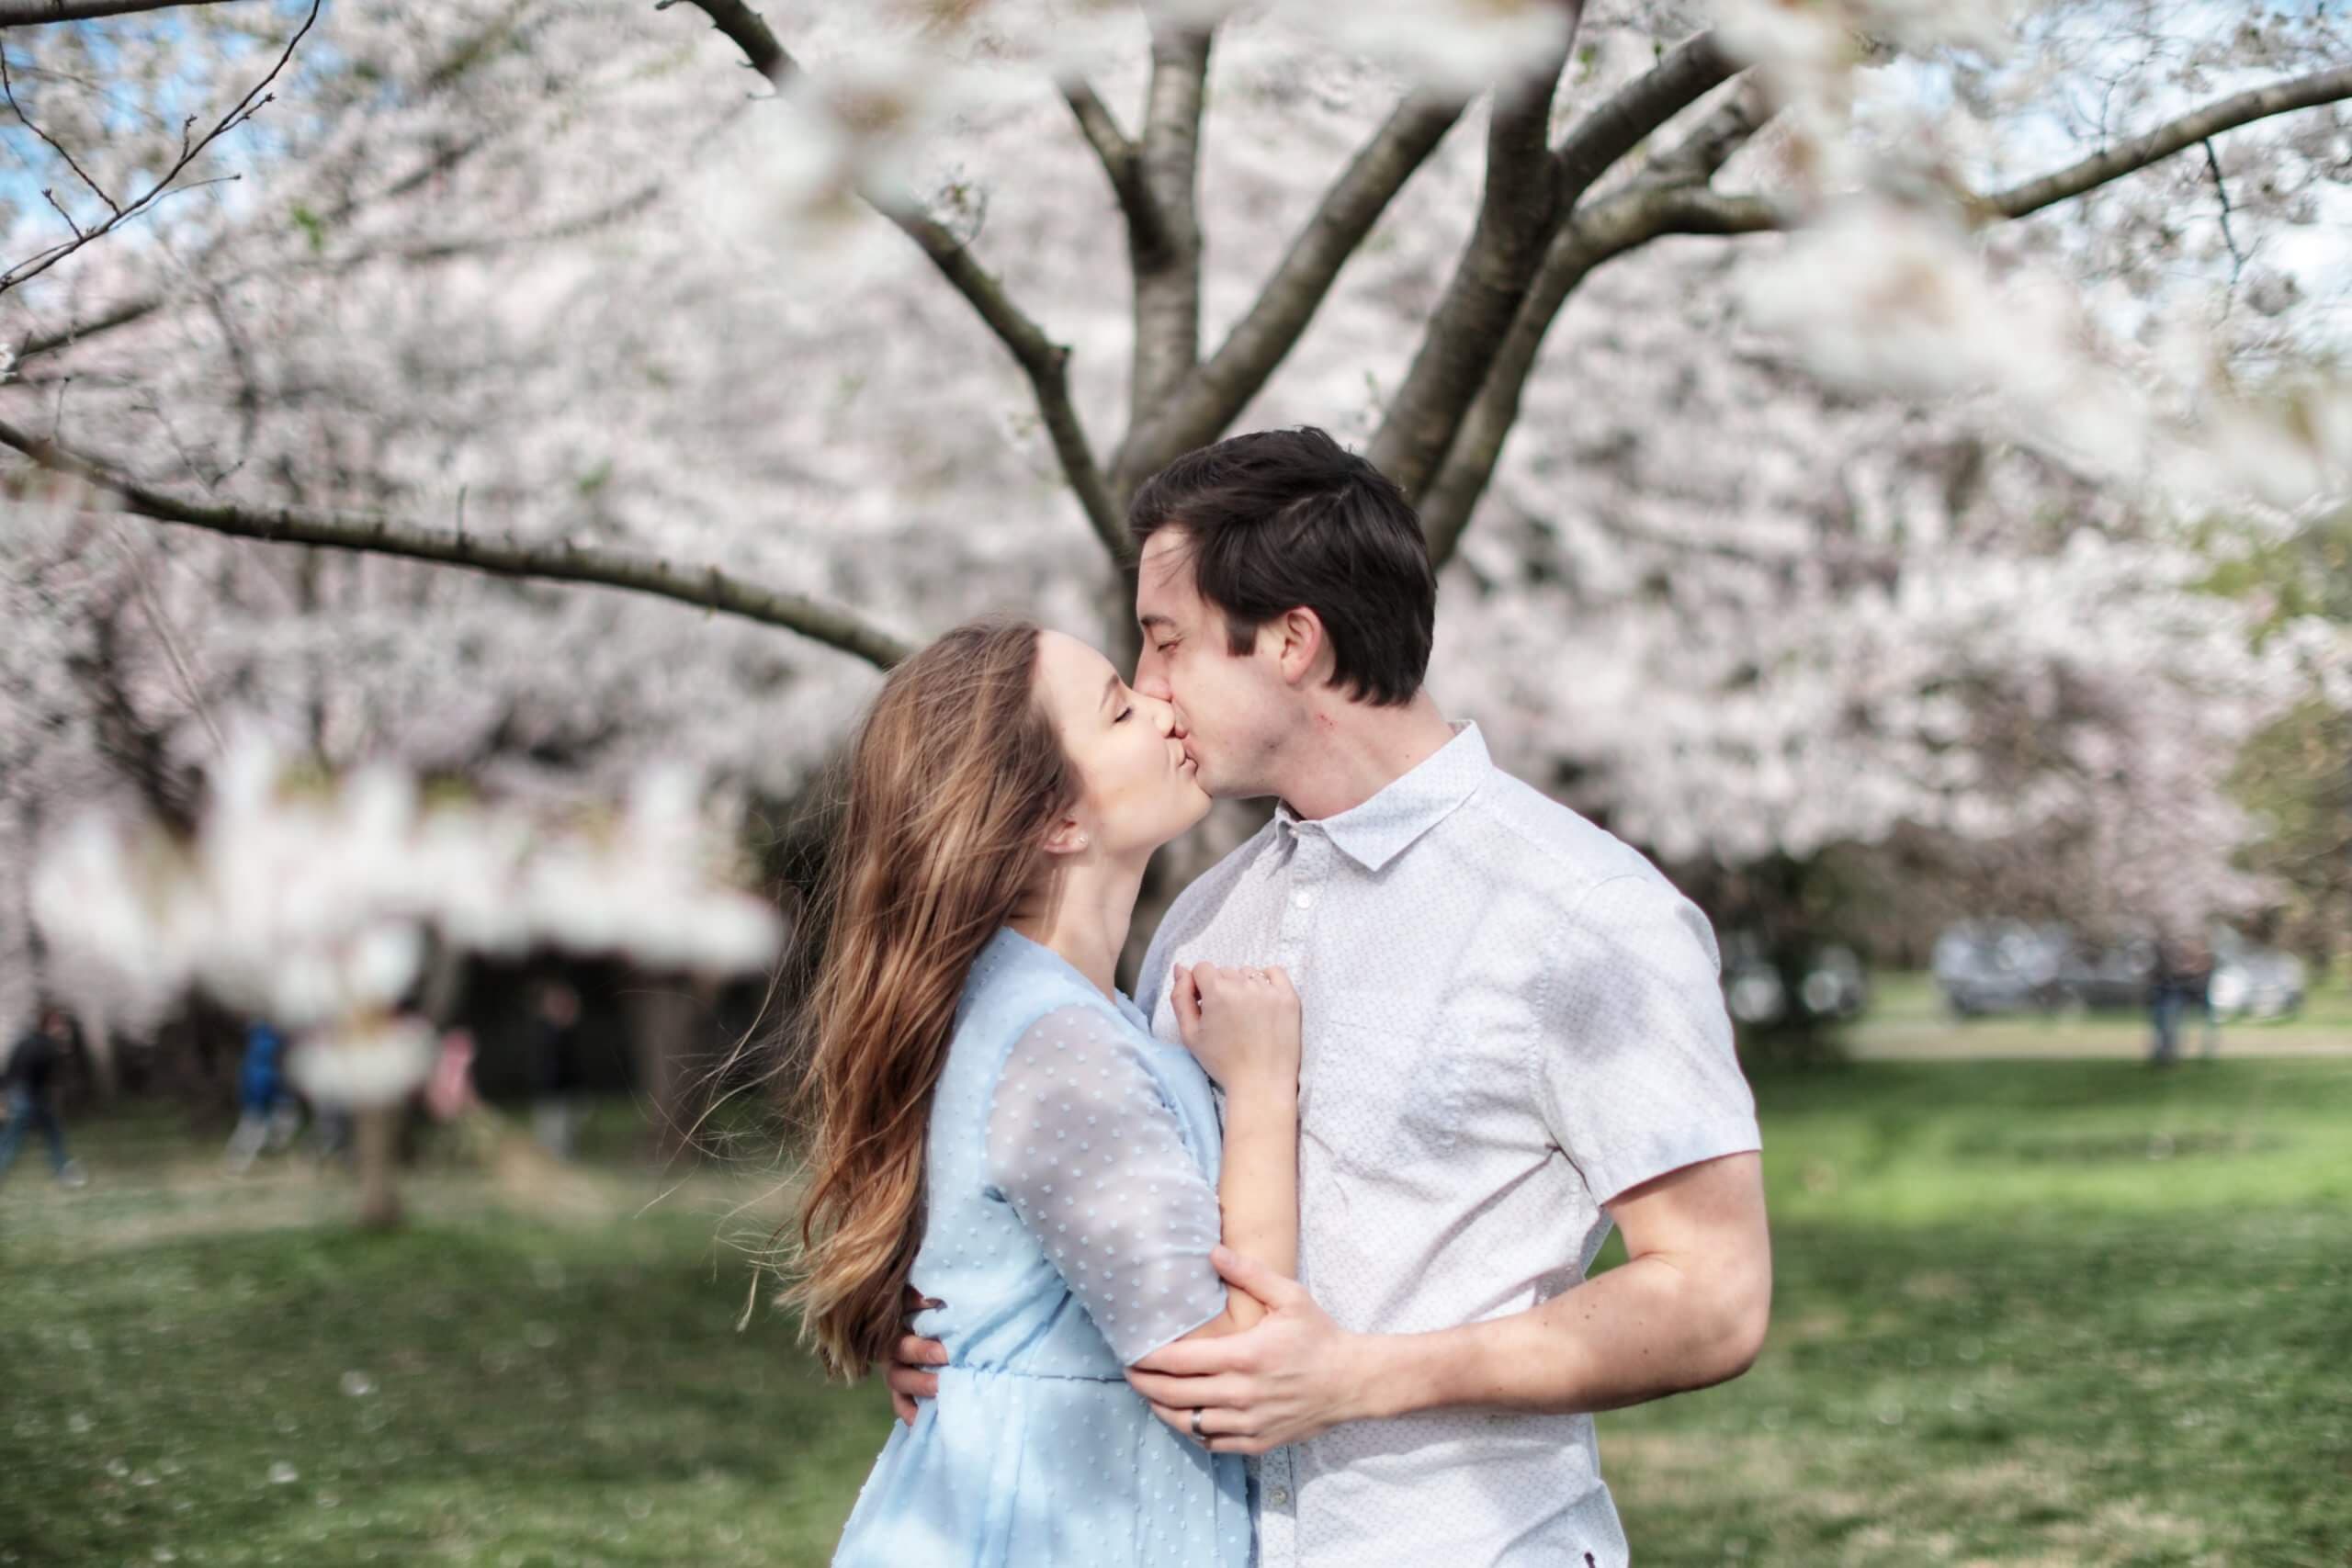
pixel 1069 1206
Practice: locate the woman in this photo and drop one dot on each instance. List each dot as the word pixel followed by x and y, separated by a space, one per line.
pixel 996 1127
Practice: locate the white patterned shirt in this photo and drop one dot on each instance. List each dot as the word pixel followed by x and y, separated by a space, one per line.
pixel 1510 1019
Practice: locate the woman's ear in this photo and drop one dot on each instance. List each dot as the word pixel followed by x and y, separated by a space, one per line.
pixel 1303 644
pixel 1066 838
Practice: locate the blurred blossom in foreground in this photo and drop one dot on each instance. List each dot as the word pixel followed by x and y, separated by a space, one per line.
pixel 1462 46
pixel 315 901
pixel 1887 282
pixel 364 1062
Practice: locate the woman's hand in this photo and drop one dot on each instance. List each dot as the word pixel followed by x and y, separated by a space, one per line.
pixel 1241 1025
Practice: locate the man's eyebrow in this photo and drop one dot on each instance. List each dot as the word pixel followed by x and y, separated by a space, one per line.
pixel 1148 622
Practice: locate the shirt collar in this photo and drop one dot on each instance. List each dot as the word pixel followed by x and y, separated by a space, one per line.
pixel 1378 830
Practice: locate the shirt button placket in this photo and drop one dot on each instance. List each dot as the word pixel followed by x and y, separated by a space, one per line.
pixel 1309 868
pixel 1310 865
pixel 1277 1513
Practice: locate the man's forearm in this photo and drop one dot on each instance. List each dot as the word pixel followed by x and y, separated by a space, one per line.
pixel 1637 1333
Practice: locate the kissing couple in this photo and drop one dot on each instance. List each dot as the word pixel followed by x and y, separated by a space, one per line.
pixel 1284 1259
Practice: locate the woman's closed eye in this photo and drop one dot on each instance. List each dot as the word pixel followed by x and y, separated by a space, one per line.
pixel 1124 715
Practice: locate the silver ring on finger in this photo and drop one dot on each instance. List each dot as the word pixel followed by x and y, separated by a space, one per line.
pixel 1198 1436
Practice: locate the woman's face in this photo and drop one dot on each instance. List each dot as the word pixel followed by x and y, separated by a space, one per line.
pixel 1136 785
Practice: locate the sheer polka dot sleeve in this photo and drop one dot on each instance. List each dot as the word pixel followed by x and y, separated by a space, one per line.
pixel 1093 1161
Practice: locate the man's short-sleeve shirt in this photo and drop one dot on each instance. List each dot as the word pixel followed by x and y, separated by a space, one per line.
pixel 1510 1017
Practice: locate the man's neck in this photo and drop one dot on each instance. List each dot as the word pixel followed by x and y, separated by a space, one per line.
pixel 1355 751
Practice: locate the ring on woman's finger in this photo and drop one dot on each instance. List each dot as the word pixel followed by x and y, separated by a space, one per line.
pixel 1198 1436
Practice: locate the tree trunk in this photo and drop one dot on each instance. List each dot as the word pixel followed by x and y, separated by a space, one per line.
pixel 671 1010
pixel 375 1143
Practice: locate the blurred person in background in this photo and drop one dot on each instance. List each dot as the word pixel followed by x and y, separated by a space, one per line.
pixel 555 1064
pixel 2180 985
pixel 25 1082
pixel 268 1115
pixel 449 1091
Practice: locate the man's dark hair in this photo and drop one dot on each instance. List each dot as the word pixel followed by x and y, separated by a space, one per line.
pixel 1282 519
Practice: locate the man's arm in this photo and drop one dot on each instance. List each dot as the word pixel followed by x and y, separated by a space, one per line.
pixel 1688 1309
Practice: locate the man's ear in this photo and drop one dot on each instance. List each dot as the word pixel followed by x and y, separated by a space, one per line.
pixel 1301 644
pixel 1066 836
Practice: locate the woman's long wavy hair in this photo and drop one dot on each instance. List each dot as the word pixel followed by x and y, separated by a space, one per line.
pixel 954 778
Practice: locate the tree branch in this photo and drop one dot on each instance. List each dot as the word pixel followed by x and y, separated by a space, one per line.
pixel 1726 129
pixel 1636 217
pixel 1042 359
pixel 40 13
pixel 2228 236
pixel 9 90
pixel 1688 73
pixel 125 312
pixel 1213 396
pixel 706 586
pixel 1121 163
pixel 1166 254
pixel 1045 362
pixel 1590 238
pixel 1506 245
pixel 1703 211
pixel 138 309
pixel 243 111
pixel 2154 147
pixel 107 321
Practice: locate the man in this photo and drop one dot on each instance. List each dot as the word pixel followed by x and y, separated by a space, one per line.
pixel 24 1081
pixel 1514 1037
pixel 555 1059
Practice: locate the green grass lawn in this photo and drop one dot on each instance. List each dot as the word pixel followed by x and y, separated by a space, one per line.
pixel 2061 1312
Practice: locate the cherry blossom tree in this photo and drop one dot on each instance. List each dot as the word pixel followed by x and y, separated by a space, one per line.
pixel 1810 401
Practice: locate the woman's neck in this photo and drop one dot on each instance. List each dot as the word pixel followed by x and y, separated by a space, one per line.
pixel 1085 920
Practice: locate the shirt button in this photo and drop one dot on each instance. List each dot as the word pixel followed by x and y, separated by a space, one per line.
pixel 1278 1496
pixel 1302 899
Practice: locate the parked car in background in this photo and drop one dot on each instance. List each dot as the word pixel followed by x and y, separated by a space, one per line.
pixel 1822 985
pixel 2110 977
pixel 2251 981
pixel 2008 966
pixel 1996 966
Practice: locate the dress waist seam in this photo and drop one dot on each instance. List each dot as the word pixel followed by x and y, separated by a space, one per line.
pixel 1041 1377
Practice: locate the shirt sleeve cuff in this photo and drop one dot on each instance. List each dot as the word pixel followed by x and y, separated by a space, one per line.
pixel 1629 1169
pixel 1165 1340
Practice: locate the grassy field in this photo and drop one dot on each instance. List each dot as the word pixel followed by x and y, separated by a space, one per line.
pixel 2051 1311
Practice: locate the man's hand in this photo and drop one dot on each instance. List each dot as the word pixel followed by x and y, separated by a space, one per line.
pixel 909 1373
pixel 1293 1375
